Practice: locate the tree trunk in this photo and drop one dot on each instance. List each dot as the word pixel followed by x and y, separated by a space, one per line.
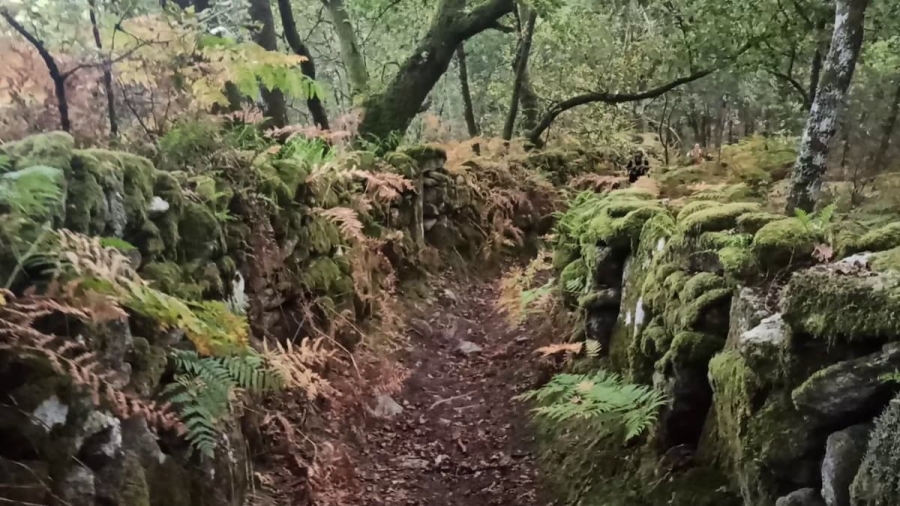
pixel 816 70
pixel 391 111
pixel 837 73
pixel 887 131
pixel 107 73
pixel 308 67
pixel 350 54
pixel 264 35
pixel 469 110
pixel 521 67
pixel 59 79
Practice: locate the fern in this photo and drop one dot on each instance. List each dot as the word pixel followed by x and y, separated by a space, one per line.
pixel 204 386
pixel 601 404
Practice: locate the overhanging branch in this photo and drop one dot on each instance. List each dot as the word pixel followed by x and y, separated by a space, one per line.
pixel 619 98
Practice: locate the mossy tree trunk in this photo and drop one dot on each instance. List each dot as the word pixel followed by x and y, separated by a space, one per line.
pixel 265 36
pixel 390 112
pixel 351 56
pixel 308 67
pixel 821 123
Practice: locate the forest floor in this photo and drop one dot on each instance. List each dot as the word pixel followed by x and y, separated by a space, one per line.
pixel 452 435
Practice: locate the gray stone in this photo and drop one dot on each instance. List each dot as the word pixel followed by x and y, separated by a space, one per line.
pixel 78 487
pixel 386 407
pixel 429 224
pixel 764 338
pixel 748 309
pixel 421 327
pixel 802 497
pixel 430 211
pixel 468 348
pixel 847 388
pixel 844 452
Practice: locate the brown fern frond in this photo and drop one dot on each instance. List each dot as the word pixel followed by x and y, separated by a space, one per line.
pixel 297 365
pixel 347 221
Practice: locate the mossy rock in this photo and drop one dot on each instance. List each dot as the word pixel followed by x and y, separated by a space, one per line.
pixel 200 232
pixel 690 350
pixel 325 275
pixel 694 206
pixel 724 239
pixel 783 243
pixel 761 441
pixel 750 223
pixel 692 314
pixel 425 154
pixel 832 306
pixel 716 218
pixel 52 149
pixel 738 263
pixel 884 261
pixel 700 284
pixel 878 479
pixel 148 365
pixel 138 177
pixel 884 238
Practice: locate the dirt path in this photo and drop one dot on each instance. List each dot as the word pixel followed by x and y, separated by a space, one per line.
pixel 455 436
pixel 460 439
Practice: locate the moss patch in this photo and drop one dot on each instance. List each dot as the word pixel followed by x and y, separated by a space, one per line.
pixel 690 350
pixel 716 218
pixel 783 243
pixel 880 239
pixel 831 306
pixel 750 223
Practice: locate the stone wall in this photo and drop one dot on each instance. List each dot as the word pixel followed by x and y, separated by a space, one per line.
pixel 772 355
pixel 200 228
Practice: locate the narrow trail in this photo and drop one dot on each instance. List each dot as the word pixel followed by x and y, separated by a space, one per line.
pixel 461 439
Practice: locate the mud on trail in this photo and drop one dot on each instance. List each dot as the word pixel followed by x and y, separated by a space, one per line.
pixel 451 435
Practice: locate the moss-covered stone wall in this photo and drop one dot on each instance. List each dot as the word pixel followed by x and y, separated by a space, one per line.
pixel 767 348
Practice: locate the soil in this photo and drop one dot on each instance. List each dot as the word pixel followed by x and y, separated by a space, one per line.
pixel 461 438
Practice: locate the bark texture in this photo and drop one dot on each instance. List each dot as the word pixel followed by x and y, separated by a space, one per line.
pixel 350 54
pixel 821 123
pixel 468 108
pixel 264 35
pixel 389 113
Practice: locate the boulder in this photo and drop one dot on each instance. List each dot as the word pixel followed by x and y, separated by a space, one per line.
pixel 850 389
pixel 748 308
pixel 802 497
pixel 844 452
pixel 878 479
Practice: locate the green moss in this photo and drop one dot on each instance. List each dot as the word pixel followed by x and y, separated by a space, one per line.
pixel 846 234
pixel 87 210
pixel 573 277
pixel 619 233
pixel 133 490
pixel 783 243
pixel 886 260
pixel 701 283
pixel 719 240
pixel 690 314
pixel 200 232
pixel 758 439
pixel 53 149
pixel 878 478
pixel 168 277
pixel 832 306
pixel 880 239
pixel 655 341
pixel 750 223
pixel 424 153
pixel 690 350
pixel 720 217
pixel 138 177
pixel 325 275
pixel 323 235
pixel 738 263
pixel 693 207
pixel 148 365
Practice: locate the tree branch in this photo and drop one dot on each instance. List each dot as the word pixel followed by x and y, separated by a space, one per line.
pixel 618 98
pixel 59 79
pixel 795 84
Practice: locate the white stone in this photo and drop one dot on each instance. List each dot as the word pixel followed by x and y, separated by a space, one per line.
pixel 158 205
pixel 468 348
pixel 51 413
pixel 386 407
